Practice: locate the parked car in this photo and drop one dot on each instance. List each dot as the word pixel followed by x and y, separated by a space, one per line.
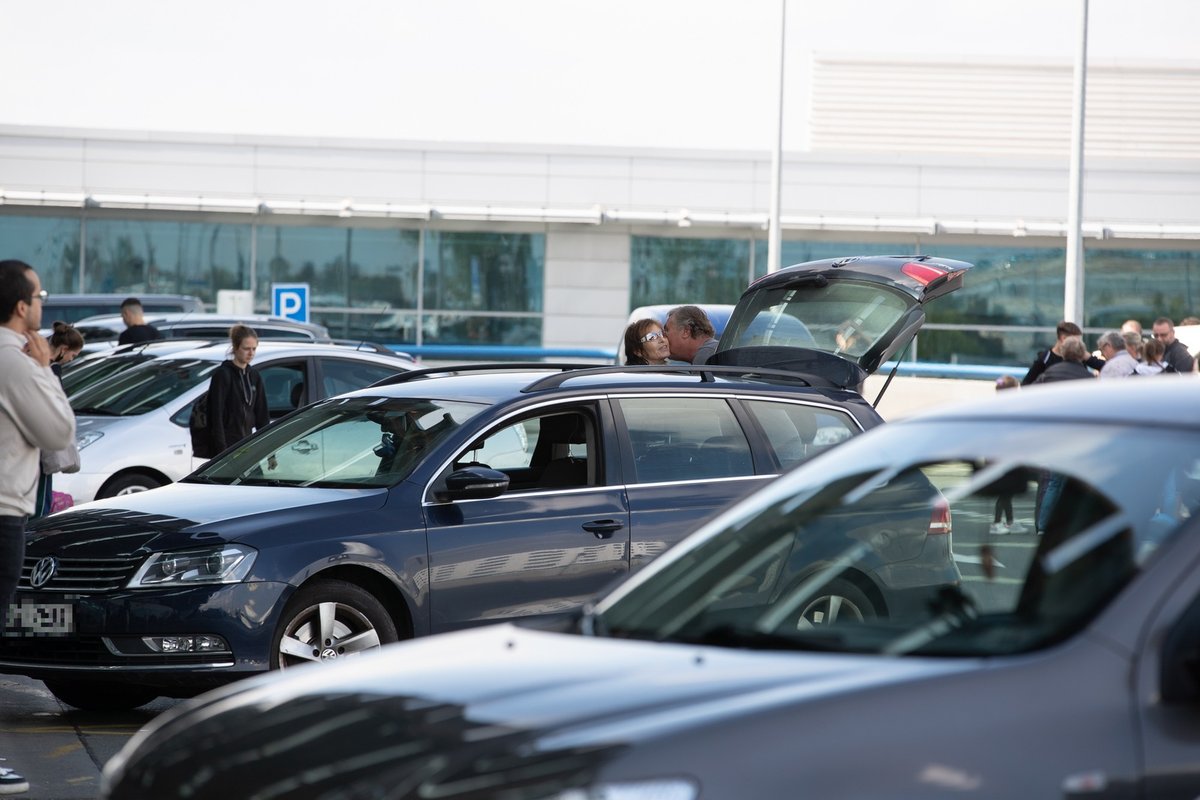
pixel 90 368
pixel 74 307
pixel 436 501
pixel 101 332
pixel 1062 665
pixel 132 426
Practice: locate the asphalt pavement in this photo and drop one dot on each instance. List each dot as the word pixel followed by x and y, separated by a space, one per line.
pixel 58 749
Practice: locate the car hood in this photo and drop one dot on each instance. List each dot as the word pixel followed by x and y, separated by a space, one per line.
pixel 835 320
pixel 183 514
pixel 489 704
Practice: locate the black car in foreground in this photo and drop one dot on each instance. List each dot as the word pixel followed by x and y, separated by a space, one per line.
pixel 1063 664
pixel 443 499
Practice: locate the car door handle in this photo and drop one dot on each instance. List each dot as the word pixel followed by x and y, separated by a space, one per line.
pixel 603 528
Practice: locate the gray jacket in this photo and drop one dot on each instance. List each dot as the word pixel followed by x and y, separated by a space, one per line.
pixel 34 416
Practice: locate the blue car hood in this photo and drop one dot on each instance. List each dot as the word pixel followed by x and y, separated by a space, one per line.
pixel 495 700
pixel 183 514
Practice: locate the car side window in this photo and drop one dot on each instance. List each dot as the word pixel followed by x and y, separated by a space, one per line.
pixel 340 375
pixel 551 451
pixel 798 432
pixel 284 381
pixel 682 438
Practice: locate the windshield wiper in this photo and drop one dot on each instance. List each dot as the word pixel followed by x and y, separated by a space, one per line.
pixel 204 479
pixel 733 636
pixel 96 412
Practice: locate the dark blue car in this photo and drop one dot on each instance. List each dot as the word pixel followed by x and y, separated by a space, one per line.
pixel 442 500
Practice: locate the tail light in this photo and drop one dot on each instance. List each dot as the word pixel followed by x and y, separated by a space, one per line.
pixel 923 274
pixel 939 520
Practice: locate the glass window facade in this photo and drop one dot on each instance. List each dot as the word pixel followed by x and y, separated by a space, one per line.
pixel 49 244
pixel 136 256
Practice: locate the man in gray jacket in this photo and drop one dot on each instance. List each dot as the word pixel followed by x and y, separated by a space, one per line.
pixel 34 416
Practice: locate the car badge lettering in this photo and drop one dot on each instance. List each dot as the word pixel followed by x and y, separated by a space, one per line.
pixel 43 571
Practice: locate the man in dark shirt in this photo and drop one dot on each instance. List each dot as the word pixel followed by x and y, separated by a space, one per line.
pixel 1072 365
pixel 136 329
pixel 1048 358
pixel 1176 353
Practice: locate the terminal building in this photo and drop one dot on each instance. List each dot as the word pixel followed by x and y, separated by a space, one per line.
pixel 541 246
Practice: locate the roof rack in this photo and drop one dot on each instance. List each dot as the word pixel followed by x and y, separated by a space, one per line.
pixel 414 374
pixel 706 373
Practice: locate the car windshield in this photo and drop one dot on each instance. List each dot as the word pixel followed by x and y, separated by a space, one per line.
pixel 142 388
pixel 902 541
pixel 78 375
pixel 841 317
pixel 350 442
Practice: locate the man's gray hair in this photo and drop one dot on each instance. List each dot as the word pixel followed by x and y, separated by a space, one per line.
pixel 1073 349
pixel 693 318
pixel 1113 339
pixel 1132 339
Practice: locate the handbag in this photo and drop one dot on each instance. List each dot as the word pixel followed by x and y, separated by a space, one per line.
pixel 65 460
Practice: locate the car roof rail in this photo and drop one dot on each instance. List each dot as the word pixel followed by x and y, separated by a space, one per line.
pixel 705 372
pixel 415 374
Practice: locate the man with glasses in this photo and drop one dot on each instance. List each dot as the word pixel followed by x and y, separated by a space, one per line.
pixel 1176 354
pixel 34 416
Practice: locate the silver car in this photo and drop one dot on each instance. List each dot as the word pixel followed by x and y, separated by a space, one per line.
pixel 1064 664
pixel 132 428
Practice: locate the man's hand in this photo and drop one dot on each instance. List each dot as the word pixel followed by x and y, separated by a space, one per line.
pixel 37 348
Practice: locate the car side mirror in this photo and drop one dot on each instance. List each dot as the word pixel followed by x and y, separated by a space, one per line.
pixel 473 483
pixel 1179 675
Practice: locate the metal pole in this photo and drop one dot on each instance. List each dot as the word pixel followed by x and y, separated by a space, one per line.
pixel 1073 278
pixel 774 238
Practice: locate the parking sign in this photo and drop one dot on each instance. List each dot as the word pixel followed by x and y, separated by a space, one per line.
pixel 290 300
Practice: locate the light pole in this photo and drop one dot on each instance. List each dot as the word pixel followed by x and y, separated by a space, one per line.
pixel 1073 278
pixel 774 237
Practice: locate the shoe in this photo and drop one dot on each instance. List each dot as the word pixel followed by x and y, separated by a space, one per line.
pixel 1017 527
pixel 11 782
pixel 998 528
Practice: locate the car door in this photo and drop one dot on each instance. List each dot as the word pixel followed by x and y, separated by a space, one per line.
pixel 684 458
pixel 557 536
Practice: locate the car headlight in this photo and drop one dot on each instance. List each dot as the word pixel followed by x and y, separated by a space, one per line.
pixel 227 563
pixel 660 789
pixel 84 439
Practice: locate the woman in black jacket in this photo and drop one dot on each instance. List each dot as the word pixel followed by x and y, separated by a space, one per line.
pixel 237 398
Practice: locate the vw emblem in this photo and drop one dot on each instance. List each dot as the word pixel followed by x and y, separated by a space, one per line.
pixel 328 653
pixel 43 571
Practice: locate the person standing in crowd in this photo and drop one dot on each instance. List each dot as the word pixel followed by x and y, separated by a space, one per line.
pixel 1152 363
pixel 1131 325
pixel 34 416
pixel 1175 352
pixel 1118 362
pixel 690 335
pixel 136 327
pixel 1072 364
pixel 65 344
pixel 1004 500
pixel 645 343
pixel 237 398
pixel 1048 358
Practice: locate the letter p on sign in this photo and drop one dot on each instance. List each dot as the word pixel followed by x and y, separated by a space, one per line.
pixel 290 300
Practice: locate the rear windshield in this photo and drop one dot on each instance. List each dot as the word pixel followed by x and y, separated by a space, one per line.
pixel 842 318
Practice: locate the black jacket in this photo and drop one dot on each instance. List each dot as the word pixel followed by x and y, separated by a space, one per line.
pixel 237 405
pixel 1064 371
pixel 1048 358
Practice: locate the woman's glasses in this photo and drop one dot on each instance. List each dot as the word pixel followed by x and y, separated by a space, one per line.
pixel 650 337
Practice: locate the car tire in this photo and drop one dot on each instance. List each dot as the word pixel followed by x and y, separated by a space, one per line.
pixel 99 695
pixel 128 484
pixel 837 601
pixel 354 621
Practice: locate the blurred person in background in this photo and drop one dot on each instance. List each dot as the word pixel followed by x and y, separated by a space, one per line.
pixel 1118 362
pixel 1152 363
pixel 1048 358
pixel 136 327
pixel 65 344
pixel 1073 363
pixel 1175 353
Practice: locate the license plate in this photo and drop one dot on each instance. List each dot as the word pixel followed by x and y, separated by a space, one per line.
pixel 28 618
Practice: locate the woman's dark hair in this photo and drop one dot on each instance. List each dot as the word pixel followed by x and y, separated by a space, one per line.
pixel 633 340
pixel 65 335
pixel 240 333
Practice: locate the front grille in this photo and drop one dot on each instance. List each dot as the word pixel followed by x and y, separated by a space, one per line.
pixel 83 575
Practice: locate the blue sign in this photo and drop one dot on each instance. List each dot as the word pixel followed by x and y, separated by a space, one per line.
pixel 290 300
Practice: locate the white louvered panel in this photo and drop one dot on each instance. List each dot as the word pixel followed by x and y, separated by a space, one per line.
pixel 868 105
